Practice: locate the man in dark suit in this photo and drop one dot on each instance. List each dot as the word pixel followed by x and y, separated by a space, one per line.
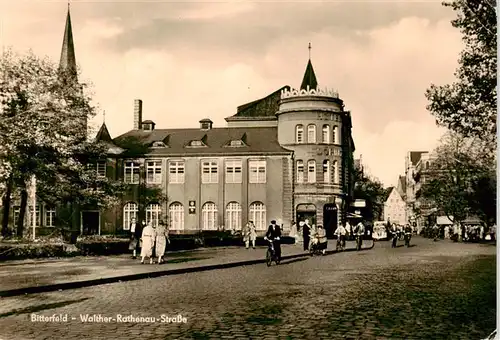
pixel 274 234
pixel 135 235
pixel 306 230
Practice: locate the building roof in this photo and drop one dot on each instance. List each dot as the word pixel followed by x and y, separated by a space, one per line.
pixel 103 134
pixel 415 156
pixel 264 107
pixel 309 78
pixel 256 140
pixel 67 62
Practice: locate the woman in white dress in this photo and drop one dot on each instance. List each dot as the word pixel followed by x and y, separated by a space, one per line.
pixel 148 242
pixel 161 241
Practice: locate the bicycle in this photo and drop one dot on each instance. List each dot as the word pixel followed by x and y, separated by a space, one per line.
pixel 340 244
pixel 271 254
pixel 358 242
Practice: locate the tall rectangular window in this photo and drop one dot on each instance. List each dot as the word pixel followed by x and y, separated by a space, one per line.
pixel 101 168
pixel 257 171
pixel 326 171
pixel 209 172
pixel 311 171
pixel 131 173
pixel 153 172
pixel 234 171
pixel 176 172
pixel 300 171
pixel 50 216
pixel 30 215
pixel 311 133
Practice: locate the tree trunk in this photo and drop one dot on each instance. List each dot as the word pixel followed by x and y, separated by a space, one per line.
pixel 22 212
pixel 6 207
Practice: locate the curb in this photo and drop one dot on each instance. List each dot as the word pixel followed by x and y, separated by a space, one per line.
pixel 141 276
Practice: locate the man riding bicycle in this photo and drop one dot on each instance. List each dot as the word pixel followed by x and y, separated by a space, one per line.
pixel 408 232
pixel 273 235
pixel 340 232
pixel 359 231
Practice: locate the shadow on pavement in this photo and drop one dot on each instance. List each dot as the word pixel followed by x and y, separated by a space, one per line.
pixel 183 260
pixel 40 308
pixel 292 261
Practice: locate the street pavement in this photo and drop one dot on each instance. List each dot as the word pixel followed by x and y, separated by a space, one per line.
pixel 19 277
pixel 432 290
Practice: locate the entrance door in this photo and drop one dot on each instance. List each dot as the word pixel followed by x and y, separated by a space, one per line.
pixel 306 212
pixel 330 219
pixel 90 222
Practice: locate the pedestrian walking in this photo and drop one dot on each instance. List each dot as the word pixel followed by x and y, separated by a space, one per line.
pixel 323 241
pixel 306 234
pixel 249 234
pixel 148 242
pixel 135 235
pixel 161 241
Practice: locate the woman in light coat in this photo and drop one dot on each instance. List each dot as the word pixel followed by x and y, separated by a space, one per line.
pixel 161 241
pixel 249 234
pixel 148 242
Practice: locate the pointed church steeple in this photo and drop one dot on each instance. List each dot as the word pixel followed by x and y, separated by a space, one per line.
pixel 67 64
pixel 309 76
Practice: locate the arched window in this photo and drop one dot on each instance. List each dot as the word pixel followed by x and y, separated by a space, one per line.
pixel 300 171
pixel 129 212
pixel 311 171
pixel 258 215
pixel 335 135
pixel 233 216
pixel 299 134
pixel 326 134
pixel 311 133
pixel 427 164
pixel 335 172
pixel 153 213
pixel 176 216
pixel 326 171
pixel 209 216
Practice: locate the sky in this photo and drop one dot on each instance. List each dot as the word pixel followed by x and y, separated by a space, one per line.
pixel 193 60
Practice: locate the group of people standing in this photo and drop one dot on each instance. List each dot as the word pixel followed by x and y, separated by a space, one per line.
pixel 150 240
pixel 312 235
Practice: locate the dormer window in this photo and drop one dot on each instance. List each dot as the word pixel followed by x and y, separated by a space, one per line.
pixel 158 144
pixel 196 144
pixel 236 143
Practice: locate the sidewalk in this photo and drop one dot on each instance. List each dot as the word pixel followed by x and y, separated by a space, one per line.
pixel 44 275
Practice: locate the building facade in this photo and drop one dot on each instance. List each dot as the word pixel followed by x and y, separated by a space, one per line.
pixel 287 157
pixel 395 208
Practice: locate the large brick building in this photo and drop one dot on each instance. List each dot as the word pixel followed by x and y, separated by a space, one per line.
pixel 288 156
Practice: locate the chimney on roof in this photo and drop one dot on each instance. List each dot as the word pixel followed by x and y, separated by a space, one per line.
pixel 206 124
pixel 137 114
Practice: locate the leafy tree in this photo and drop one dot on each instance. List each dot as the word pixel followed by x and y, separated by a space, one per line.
pixel 461 180
pixel 372 191
pixel 43 134
pixel 469 105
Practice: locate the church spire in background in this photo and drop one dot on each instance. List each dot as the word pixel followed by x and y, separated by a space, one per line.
pixel 309 76
pixel 67 64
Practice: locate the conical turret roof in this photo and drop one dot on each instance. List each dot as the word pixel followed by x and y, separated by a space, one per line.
pixel 309 78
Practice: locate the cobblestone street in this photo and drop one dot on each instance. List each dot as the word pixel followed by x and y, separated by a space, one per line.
pixel 433 290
